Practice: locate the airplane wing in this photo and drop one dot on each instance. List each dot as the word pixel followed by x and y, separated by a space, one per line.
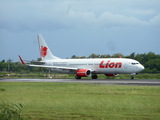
pixel 58 67
pixel 47 66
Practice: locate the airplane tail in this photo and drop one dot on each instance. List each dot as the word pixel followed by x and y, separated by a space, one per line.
pixel 45 52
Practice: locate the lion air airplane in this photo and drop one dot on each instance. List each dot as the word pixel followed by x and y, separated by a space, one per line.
pixel 86 67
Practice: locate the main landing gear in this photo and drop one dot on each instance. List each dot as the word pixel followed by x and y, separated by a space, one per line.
pixel 77 77
pixel 94 76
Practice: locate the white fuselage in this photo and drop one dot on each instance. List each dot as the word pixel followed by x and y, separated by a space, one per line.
pixel 99 66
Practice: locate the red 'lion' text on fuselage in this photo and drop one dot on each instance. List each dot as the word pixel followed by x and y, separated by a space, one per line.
pixel 110 64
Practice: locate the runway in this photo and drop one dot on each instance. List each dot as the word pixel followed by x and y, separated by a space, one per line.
pixel 147 82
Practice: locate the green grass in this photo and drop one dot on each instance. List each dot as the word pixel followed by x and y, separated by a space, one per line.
pixel 56 101
pixel 10 111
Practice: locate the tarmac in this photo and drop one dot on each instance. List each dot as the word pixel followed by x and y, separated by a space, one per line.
pixel 141 82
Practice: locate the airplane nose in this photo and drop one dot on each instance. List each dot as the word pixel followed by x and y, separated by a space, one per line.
pixel 140 68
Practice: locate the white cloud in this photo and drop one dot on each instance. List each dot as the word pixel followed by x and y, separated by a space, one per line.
pixel 142 12
pixel 109 19
pixel 155 21
pixel 73 23
pixel 50 15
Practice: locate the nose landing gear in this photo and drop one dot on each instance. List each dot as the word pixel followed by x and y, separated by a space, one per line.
pixel 131 77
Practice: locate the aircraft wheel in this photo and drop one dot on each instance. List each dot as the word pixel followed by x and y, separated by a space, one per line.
pixel 94 76
pixel 132 77
pixel 77 77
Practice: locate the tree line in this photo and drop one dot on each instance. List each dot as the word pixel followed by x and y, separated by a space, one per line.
pixel 150 61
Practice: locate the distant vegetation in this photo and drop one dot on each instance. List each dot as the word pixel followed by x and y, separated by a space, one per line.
pixel 151 62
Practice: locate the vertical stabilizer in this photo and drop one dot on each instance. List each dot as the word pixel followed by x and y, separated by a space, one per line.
pixel 45 52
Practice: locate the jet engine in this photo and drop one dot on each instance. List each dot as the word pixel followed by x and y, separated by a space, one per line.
pixel 111 75
pixel 83 73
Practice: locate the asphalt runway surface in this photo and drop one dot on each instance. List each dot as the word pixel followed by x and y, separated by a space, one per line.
pixel 147 82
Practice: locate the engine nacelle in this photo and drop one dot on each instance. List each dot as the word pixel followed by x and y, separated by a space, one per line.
pixel 83 73
pixel 111 75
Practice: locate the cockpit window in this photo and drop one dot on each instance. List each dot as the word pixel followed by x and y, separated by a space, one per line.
pixel 134 63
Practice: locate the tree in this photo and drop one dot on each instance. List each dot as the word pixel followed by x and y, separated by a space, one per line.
pixel 83 57
pixel 117 55
pixel 3 61
pixel 74 57
pixel 105 56
pixel 153 63
pixel 132 55
pixel 3 66
pixel 9 61
pixel 39 59
pixel 154 70
pixel 94 56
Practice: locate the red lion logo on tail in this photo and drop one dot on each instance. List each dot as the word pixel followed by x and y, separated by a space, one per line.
pixel 43 51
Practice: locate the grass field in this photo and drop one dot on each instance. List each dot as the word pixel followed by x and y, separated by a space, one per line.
pixel 70 101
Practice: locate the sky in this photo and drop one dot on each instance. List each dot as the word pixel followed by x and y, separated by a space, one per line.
pixel 78 27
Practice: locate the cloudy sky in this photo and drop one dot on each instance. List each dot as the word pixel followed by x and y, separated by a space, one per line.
pixel 79 27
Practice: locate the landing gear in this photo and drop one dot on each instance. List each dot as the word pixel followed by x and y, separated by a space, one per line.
pixel 132 77
pixel 77 77
pixel 94 76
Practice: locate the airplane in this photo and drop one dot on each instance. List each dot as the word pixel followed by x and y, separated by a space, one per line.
pixel 85 67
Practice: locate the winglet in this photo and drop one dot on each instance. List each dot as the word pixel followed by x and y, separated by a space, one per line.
pixel 21 60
